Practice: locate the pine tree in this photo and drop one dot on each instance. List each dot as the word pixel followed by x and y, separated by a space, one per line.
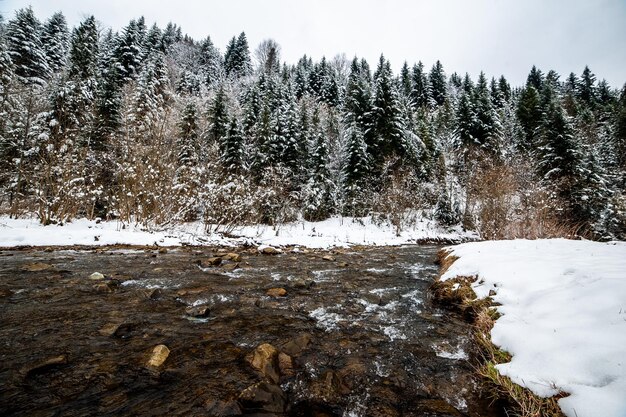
pixel 55 40
pixel 25 48
pixel 405 80
pixel 231 149
pixel 210 62
pixel 188 134
pixel 237 61
pixel 128 53
pixel 84 50
pixel 218 117
pixel 153 41
pixel 318 204
pixel 151 96
pixel 438 85
pixel 485 126
pixel 420 93
pixel 529 114
pixel 586 90
pixel 386 116
pixel 535 79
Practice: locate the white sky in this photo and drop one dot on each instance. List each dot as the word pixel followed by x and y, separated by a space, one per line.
pixel 497 36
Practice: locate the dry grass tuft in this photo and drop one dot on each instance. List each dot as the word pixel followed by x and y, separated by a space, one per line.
pixel 457 294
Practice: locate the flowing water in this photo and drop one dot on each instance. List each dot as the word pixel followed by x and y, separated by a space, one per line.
pixel 361 333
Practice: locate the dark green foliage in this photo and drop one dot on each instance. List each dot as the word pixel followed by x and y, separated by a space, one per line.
pixel 84 50
pixel 55 40
pixel 231 148
pixel 218 117
pixel 25 48
pixel 420 90
pixel 188 134
pixel 237 61
pixel 438 85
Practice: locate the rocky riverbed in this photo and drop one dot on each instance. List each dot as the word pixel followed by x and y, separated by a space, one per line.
pixel 223 332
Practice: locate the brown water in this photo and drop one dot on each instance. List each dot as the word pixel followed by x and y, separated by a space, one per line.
pixel 363 336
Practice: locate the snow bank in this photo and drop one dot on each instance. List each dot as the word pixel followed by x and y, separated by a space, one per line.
pixel 563 317
pixel 328 233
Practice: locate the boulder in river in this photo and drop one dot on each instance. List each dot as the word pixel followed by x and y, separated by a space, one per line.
pixel 328 258
pixel 222 408
pixel 230 266
pixel 285 365
pixel 198 311
pixel 269 250
pixel 296 346
pixel 265 360
pixel 231 256
pixel 263 397
pixel 37 267
pixel 277 292
pixel 45 365
pixel 214 261
pixel 96 276
pixel 158 357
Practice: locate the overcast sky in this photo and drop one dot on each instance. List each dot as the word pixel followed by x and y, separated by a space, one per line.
pixel 497 36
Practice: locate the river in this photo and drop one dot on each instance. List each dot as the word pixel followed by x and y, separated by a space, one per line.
pixel 359 332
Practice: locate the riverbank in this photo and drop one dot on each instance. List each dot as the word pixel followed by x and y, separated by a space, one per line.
pixel 558 313
pixel 333 232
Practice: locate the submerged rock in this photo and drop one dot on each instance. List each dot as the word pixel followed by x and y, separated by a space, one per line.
pixel 222 408
pixel 158 357
pixel 263 397
pixel 198 311
pixel 214 261
pixel 45 365
pixel 96 276
pixel 269 250
pixel 264 359
pixel 37 267
pixel 234 257
pixel 296 346
pixel 277 292
pixel 230 267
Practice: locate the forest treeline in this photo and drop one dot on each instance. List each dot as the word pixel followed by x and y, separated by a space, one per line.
pixel 151 126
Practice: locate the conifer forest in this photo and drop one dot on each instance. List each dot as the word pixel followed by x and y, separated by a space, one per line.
pixel 148 125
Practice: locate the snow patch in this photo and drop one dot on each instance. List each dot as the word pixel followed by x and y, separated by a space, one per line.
pixel 563 306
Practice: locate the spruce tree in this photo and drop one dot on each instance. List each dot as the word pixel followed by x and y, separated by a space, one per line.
pixel 529 114
pixel 231 148
pixel 128 53
pixel 586 90
pixel 188 134
pixel 420 93
pixel 210 62
pixel 535 79
pixel 438 85
pixel 25 48
pixel 84 50
pixel 218 117
pixel 55 40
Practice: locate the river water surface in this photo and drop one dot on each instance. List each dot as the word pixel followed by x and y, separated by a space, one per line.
pixel 361 334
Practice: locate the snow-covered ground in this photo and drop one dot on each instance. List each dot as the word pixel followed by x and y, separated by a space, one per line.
pixel 563 316
pixel 344 231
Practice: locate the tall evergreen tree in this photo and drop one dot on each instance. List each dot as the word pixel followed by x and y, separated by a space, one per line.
pixel 25 48
pixel 420 93
pixel 55 40
pixel 84 50
pixel 218 116
pixel 438 85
